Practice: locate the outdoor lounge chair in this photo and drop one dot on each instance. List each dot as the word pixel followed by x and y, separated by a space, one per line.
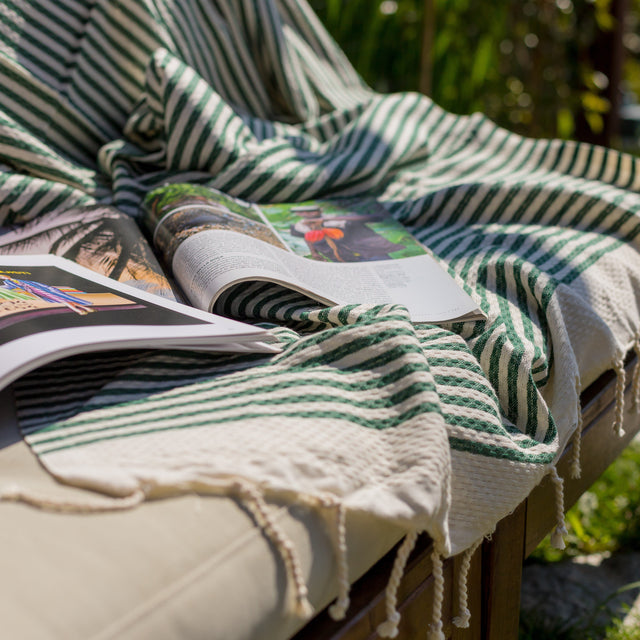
pixel 184 495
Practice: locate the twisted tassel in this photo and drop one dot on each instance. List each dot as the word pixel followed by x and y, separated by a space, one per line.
pixel 254 502
pixel 435 629
pixel 576 471
pixel 464 615
pixel 636 376
pixel 14 493
pixel 557 536
pixel 618 367
pixel 338 610
pixel 389 628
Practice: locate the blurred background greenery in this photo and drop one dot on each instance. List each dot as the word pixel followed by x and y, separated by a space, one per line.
pixel 543 68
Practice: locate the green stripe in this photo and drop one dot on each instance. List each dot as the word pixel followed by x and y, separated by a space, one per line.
pixel 376 424
pixel 500 452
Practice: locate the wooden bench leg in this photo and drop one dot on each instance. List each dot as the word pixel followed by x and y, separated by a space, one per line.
pixel 502 559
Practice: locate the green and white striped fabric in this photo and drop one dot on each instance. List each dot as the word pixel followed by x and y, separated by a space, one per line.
pixel 441 428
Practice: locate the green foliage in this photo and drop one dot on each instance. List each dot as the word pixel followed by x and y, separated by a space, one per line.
pixel 619 632
pixel 375 35
pixel 527 64
pixel 467 54
pixel 607 517
pixel 591 626
pixel 533 627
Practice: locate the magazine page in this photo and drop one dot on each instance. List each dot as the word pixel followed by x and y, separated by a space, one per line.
pixel 99 237
pixel 337 251
pixel 51 307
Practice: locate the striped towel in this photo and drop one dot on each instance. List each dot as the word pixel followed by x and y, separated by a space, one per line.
pixel 438 428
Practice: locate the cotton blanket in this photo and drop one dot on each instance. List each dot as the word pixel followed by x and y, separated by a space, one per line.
pixel 444 429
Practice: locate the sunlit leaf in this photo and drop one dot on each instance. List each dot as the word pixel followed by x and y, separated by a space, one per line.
pixel 482 61
pixel 595 121
pixel 595 103
pixel 605 21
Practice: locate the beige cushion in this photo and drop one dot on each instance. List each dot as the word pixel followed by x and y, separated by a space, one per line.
pixel 180 568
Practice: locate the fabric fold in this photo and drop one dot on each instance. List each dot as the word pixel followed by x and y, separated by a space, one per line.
pixel 351 412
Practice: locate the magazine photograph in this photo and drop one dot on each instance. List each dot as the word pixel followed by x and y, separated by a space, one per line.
pixel 99 237
pixel 343 230
pixel 339 251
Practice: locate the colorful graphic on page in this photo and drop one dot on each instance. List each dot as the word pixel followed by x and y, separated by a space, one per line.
pixel 18 296
pixel 46 298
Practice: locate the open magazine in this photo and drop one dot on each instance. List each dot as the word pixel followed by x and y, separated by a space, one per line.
pixel 337 251
pixel 51 307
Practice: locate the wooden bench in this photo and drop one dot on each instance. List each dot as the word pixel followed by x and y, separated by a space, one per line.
pixel 495 573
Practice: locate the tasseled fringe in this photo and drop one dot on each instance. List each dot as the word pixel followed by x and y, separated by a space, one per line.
pixel 338 610
pixel 618 367
pixel 464 615
pixel 435 628
pixel 636 375
pixel 557 536
pixel 14 493
pixel 389 628
pixel 576 442
pixel 253 500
